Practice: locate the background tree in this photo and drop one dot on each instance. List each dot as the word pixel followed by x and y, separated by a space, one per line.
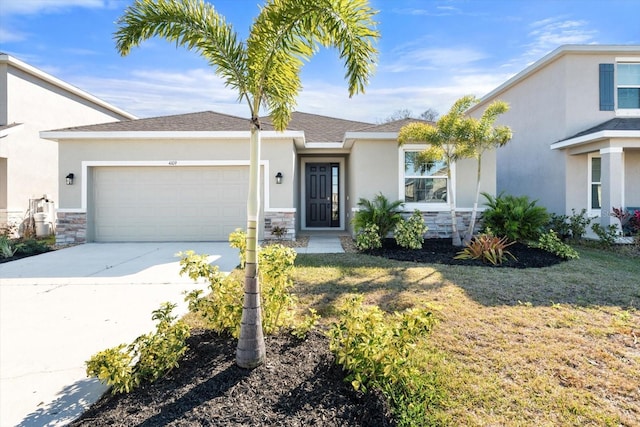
pixel 429 115
pixel 446 143
pixel 265 70
pixel 479 136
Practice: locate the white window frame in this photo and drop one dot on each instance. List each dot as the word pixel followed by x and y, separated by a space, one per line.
pixel 625 111
pixel 424 207
pixel 590 182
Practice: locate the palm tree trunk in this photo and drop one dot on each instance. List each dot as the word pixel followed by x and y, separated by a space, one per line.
pixel 251 350
pixel 474 212
pixel 455 235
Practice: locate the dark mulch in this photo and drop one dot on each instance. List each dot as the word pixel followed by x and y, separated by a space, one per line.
pixel 441 251
pixel 299 385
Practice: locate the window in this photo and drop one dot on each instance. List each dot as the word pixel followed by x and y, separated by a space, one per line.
pixel 595 184
pixel 426 183
pixel 628 78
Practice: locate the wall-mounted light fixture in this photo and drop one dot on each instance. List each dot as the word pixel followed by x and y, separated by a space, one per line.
pixel 279 178
pixel 69 179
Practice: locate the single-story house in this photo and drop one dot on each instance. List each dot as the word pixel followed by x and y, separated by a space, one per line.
pixel 184 177
pixel 31 101
pixel 575 116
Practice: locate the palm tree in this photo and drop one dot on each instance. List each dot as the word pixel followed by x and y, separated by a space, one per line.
pixel 446 142
pixel 265 70
pixel 480 136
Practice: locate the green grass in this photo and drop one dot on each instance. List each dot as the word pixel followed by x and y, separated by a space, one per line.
pixel 546 347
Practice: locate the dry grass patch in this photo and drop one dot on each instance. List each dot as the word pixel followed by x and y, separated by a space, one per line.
pixel 551 346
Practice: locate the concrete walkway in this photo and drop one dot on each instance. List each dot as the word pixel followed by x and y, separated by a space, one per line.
pixel 322 245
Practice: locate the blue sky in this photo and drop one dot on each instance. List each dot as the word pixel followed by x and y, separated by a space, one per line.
pixel 431 52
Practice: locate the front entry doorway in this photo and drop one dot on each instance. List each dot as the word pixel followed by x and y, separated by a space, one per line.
pixel 322 195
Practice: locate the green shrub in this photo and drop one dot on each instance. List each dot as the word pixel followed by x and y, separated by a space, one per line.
pixel 148 358
pixel 409 233
pixel 578 223
pixel 550 242
pixel 607 235
pixel 276 278
pixel 368 238
pixel 376 350
pixel 222 307
pixel 488 248
pixel 238 240
pixel 379 212
pixel 7 250
pixel 517 218
pixel 560 224
pixel 31 246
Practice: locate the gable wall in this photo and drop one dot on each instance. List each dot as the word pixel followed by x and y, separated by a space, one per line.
pixel 32 162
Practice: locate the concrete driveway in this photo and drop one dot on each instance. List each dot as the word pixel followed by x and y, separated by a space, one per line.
pixel 58 309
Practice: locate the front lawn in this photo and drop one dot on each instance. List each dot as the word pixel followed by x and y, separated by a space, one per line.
pixel 550 346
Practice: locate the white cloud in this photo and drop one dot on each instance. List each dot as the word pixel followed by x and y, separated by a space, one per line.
pixel 10 36
pixel 433 58
pixel 548 34
pixel 22 7
pixel 149 93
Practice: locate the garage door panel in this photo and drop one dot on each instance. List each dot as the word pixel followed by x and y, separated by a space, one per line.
pixel 168 203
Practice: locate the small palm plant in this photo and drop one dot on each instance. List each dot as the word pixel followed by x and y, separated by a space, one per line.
pixel 380 212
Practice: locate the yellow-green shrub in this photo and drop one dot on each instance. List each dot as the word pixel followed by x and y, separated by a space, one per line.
pixel 222 307
pixel 148 358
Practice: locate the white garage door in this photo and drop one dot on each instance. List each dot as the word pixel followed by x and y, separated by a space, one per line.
pixel 143 204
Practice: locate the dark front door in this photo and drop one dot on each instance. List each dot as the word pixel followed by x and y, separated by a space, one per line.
pixel 321 194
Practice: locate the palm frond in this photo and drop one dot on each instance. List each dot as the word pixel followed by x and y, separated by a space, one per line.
pixel 193 24
pixel 288 33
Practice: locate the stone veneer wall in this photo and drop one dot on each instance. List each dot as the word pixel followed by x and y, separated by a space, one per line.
pixel 71 228
pixel 285 220
pixel 439 223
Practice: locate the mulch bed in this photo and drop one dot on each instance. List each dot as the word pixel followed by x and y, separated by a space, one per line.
pixel 441 251
pixel 299 385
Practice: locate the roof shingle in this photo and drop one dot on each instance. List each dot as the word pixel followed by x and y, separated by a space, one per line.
pixel 316 128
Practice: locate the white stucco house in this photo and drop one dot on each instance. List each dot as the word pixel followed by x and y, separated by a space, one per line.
pixel 31 101
pixel 575 116
pixel 184 177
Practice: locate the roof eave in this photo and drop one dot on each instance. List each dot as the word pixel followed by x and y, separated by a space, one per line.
pixel 75 135
pixel 593 137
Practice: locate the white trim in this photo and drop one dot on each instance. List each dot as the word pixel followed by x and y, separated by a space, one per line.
pixel 604 134
pixel 370 135
pixel 593 212
pixel 66 134
pixel 627 59
pixel 11 129
pixel 425 207
pixel 10 60
pixel 611 150
pixel 86 164
pixel 342 188
pixel 285 210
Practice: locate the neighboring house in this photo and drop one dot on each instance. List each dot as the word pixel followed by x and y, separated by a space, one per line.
pixel 31 101
pixel 185 177
pixel 575 116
